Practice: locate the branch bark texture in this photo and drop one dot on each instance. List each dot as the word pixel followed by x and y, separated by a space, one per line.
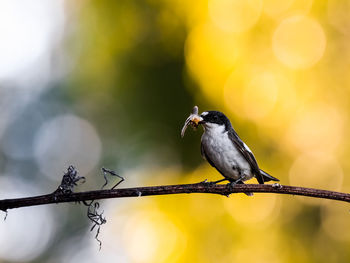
pixel 202 187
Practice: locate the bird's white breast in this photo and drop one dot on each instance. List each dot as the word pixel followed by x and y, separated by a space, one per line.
pixel 223 153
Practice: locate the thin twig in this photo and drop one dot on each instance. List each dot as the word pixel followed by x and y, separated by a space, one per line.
pixel 106 171
pixel 202 187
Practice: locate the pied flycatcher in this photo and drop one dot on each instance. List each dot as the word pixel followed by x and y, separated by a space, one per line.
pixel 224 150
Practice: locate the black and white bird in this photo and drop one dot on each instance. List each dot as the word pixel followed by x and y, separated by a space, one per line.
pixel 224 150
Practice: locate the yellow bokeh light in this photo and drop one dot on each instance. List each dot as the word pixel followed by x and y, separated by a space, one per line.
pixel 275 7
pixel 283 111
pixel 316 128
pixel 316 170
pixel 205 45
pixel 299 7
pixel 210 54
pixel 260 255
pixel 299 42
pixel 151 237
pixel 255 94
pixel 251 210
pixel 338 15
pixel 260 95
pixel 281 9
pixel 233 91
pixel 235 15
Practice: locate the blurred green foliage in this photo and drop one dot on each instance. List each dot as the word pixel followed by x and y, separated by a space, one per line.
pixel 130 72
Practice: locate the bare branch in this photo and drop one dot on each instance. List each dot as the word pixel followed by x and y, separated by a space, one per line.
pixel 202 187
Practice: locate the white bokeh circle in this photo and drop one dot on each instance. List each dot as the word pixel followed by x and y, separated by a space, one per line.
pixel 66 140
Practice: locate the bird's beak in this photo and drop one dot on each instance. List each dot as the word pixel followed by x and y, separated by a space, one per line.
pixel 196 120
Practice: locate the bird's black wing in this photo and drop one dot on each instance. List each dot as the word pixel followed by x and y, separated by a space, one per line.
pixel 206 157
pixel 247 154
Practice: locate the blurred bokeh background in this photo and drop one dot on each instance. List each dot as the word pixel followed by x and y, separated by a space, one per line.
pixel 110 83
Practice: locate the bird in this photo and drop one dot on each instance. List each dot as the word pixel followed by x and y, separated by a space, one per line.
pixel 224 150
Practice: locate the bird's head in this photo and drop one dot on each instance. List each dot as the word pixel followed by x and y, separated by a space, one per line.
pixel 212 119
pixel 208 119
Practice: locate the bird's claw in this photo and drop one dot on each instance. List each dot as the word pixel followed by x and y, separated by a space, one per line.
pixel 231 185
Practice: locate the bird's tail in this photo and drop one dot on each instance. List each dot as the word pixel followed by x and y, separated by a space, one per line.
pixel 267 177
